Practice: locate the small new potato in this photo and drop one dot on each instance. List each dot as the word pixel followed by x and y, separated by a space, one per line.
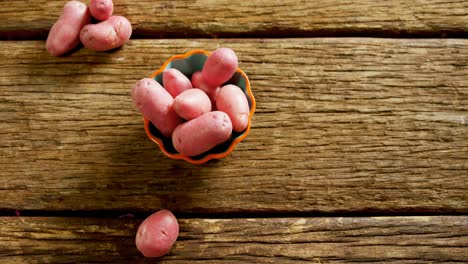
pixel 109 34
pixel 175 82
pixel 156 104
pixel 101 9
pixel 209 90
pixel 192 103
pixel 203 133
pixel 196 79
pixel 231 100
pixel 157 234
pixel 64 35
pixel 219 67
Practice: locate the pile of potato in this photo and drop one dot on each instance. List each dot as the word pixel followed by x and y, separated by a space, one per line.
pixel 74 26
pixel 200 113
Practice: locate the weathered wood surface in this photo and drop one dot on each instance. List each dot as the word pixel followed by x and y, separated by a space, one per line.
pixel 423 239
pixel 207 18
pixel 341 125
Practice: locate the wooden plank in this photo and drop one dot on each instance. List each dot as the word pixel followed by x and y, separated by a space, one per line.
pixel 423 239
pixel 208 18
pixel 341 125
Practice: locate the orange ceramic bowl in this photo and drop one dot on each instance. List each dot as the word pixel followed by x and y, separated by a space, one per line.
pixel 189 63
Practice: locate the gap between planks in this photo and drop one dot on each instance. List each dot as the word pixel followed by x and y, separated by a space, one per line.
pixel 240 215
pixel 259 18
pixel 280 240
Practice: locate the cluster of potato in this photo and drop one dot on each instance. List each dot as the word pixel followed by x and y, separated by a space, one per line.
pixel 74 25
pixel 200 113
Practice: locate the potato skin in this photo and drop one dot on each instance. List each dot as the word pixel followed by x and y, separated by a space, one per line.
pixel 175 82
pixel 201 134
pixel 106 35
pixel 231 100
pixel 192 103
pixel 101 9
pixel 157 234
pixel 196 79
pixel 156 104
pixel 210 91
pixel 219 67
pixel 64 35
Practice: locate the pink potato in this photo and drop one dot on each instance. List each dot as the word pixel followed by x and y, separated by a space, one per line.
pixel 192 103
pixel 196 79
pixel 231 100
pixel 106 35
pixel 156 104
pixel 175 82
pixel 210 91
pixel 101 9
pixel 157 233
pixel 64 35
pixel 201 134
pixel 219 67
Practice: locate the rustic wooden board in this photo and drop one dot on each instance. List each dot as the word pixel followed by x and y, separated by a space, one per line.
pixel 363 125
pixel 207 18
pixel 424 239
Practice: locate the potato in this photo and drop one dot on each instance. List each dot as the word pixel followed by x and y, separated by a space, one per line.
pixel 209 90
pixel 64 35
pixel 175 82
pixel 192 103
pixel 231 100
pixel 106 35
pixel 219 67
pixel 101 9
pixel 157 233
pixel 156 104
pixel 201 134
pixel 196 79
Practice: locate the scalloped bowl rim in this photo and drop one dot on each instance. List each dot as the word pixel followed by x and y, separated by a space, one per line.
pixel 210 156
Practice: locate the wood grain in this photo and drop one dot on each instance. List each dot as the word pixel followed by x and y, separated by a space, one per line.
pixel 342 125
pixel 424 239
pixel 228 18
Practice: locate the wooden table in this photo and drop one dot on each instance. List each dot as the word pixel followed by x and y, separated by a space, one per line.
pixel 358 150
